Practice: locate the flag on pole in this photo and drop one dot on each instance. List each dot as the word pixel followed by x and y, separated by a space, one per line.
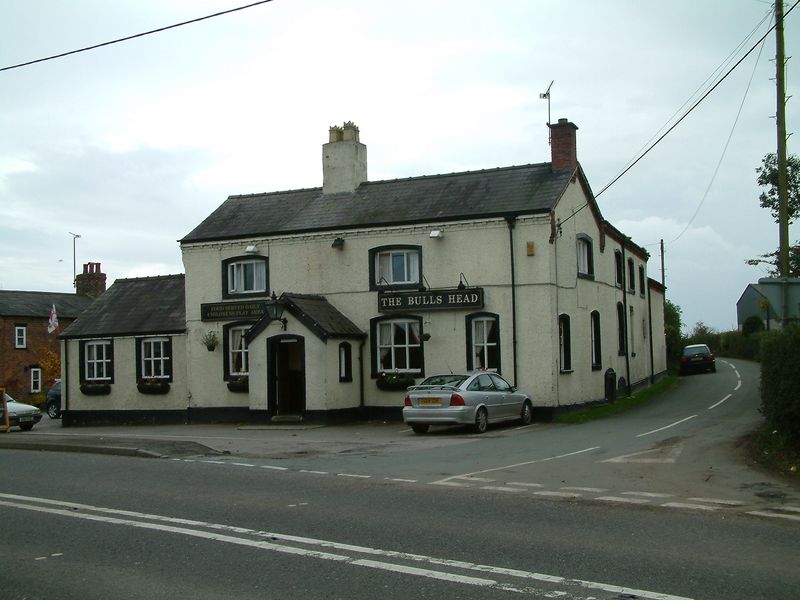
pixel 52 323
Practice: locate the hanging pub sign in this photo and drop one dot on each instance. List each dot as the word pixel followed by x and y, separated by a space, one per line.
pixel 430 300
pixel 229 311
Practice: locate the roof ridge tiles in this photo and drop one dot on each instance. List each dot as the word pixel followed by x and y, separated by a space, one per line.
pixel 151 277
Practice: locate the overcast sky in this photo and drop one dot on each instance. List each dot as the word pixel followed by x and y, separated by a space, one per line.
pixel 132 145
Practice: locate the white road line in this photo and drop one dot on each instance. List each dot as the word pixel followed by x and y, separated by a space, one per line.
pixel 522 464
pixel 401 480
pixel 536 485
pixel 626 500
pixel 691 506
pixel 558 494
pixel 425 573
pixel 738 385
pixel 274 468
pixel 475 479
pixel 353 475
pixel 761 513
pixel 450 483
pixel 500 488
pixel 214 462
pixel 666 427
pixel 583 489
pixel 552 579
pixel 787 508
pixel 648 494
pixel 718 501
pixel 314 472
pixel 243 464
pixel 720 402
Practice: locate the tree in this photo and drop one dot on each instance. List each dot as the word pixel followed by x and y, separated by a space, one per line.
pixel 768 179
pixel 672 329
pixel 771 260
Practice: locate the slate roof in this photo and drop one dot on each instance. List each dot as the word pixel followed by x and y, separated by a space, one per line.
pixel 38 304
pixel 317 314
pixel 144 305
pixel 503 191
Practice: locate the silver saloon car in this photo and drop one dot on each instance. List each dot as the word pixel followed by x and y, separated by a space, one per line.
pixel 20 415
pixel 469 398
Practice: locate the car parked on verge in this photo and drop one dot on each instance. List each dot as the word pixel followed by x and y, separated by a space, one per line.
pixel 697 357
pixel 20 415
pixel 476 398
pixel 53 401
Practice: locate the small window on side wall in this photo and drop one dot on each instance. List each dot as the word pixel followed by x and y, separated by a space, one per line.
pixel 619 269
pixel 564 344
pixel 20 336
pixel 631 276
pixel 597 346
pixel 36 380
pixel 395 267
pixel 585 256
pixel 483 341
pixel 642 280
pixel 345 362
pixel 245 276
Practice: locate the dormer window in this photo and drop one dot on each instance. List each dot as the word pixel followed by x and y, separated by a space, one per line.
pixel 395 267
pixel 244 276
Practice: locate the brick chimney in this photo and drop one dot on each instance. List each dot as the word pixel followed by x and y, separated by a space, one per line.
pixel 91 282
pixel 344 160
pixel 563 145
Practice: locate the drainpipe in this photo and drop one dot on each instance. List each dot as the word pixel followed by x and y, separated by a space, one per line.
pixel 625 319
pixel 511 221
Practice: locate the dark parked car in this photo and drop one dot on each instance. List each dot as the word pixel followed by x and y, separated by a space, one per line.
pixel 697 357
pixel 20 415
pixel 53 401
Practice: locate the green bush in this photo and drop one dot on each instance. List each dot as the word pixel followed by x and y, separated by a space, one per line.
pixel 780 385
pixel 735 344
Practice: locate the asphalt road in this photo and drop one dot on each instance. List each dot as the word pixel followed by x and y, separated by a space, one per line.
pixel 655 503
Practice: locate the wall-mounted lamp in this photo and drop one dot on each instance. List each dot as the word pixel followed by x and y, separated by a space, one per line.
pixel 275 308
pixel 338 243
pixel 251 250
pixel 437 234
pixel 462 282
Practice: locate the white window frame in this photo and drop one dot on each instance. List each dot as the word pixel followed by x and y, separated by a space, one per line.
pixel 482 324
pixel 155 365
pixel 384 273
pixel 36 380
pixel 585 258
pixel 241 352
pixel 101 364
pixel 20 336
pixel 409 327
pixel 237 277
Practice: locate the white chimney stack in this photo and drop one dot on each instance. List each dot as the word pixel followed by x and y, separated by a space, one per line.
pixel 344 160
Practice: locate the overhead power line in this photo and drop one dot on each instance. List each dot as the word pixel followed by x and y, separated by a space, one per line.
pixel 131 37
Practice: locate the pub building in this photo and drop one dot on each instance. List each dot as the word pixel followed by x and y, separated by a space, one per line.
pixel 325 303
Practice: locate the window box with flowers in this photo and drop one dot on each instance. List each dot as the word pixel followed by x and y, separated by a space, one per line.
pixel 239 384
pixel 393 382
pixel 152 386
pixel 95 389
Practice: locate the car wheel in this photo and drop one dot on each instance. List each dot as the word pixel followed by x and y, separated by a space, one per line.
pixel 481 420
pixel 53 411
pixel 26 426
pixel 420 428
pixel 526 416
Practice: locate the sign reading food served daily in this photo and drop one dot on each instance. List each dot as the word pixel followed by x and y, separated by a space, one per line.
pixel 227 311
pixel 430 300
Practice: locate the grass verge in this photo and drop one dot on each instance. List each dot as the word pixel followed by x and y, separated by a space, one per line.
pixel 607 410
pixel 774 452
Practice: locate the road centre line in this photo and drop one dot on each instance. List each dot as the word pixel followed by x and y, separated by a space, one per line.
pixel 67 509
pixel 243 464
pixel 401 480
pixel 738 385
pixel 718 501
pixel 314 472
pixel 501 488
pixel 353 475
pixel 558 494
pixel 274 468
pixel 761 513
pixel 687 505
pixel 720 402
pixel 522 464
pixel 583 489
pixel 625 500
pixel 648 494
pixel 666 427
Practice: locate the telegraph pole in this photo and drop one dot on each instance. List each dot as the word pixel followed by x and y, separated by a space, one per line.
pixel 783 198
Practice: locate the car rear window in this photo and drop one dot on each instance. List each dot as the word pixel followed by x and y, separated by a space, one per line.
pixel 694 350
pixel 454 380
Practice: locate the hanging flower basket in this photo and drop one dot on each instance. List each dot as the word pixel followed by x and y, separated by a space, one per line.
pixel 95 389
pixel 393 382
pixel 152 386
pixel 239 385
pixel 210 340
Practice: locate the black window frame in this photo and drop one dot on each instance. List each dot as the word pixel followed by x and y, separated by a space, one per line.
pixel 168 358
pixel 631 276
pixel 622 330
pixel 585 240
pixel 375 353
pixel 345 362
pixel 82 360
pixel 468 322
pixel 564 344
pixel 642 281
pixel 619 269
pixel 227 294
pixel 595 334
pixel 374 285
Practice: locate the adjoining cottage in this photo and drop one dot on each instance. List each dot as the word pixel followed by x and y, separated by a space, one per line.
pixel 324 303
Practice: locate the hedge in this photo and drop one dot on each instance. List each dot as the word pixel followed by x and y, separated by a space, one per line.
pixel 780 383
